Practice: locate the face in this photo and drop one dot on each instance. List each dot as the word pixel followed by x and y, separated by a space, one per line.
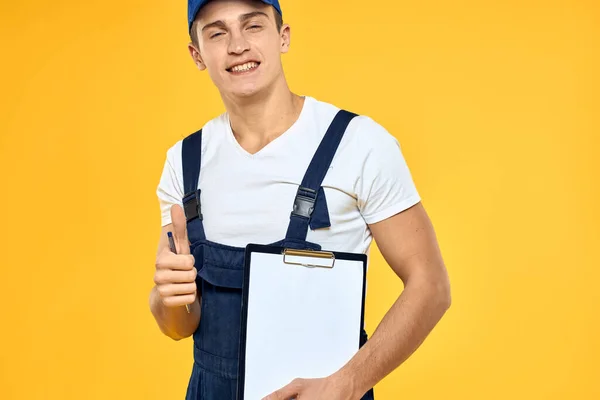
pixel 239 45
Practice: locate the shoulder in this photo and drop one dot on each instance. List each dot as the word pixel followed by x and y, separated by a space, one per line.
pixel 370 134
pixel 364 137
pixel 212 131
pixel 363 131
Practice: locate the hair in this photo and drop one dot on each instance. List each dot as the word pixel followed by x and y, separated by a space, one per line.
pixel 194 36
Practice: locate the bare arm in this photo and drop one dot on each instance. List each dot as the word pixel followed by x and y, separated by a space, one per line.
pixel 409 245
pixel 175 285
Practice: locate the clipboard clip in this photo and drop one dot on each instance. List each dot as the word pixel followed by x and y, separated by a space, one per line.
pixel 309 258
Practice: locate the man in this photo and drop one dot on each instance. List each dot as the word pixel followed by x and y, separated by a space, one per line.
pixel 251 161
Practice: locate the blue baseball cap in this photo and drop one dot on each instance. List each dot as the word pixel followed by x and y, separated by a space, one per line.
pixel 195 5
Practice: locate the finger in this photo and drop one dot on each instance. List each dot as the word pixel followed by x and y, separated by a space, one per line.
pixel 180 229
pixel 178 301
pixel 288 392
pixel 166 276
pixel 168 260
pixel 176 289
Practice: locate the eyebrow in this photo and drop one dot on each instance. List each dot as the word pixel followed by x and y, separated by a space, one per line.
pixel 241 18
pixel 245 17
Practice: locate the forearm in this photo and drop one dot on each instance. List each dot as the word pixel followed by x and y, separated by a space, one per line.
pixel 405 326
pixel 175 322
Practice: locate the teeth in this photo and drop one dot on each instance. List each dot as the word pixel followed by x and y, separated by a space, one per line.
pixel 244 67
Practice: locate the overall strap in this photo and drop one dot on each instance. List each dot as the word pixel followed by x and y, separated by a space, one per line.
pixel 191 152
pixel 306 196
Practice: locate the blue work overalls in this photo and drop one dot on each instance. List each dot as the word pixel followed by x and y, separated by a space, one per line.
pixel 221 267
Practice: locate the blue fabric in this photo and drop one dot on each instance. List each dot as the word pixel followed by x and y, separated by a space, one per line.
pixel 220 278
pixel 191 154
pixel 316 172
pixel 320 217
pixel 221 265
pixel 195 5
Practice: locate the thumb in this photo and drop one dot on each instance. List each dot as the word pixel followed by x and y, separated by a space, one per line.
pixel 180 229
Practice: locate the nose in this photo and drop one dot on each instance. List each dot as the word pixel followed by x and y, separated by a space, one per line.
pixel 237 43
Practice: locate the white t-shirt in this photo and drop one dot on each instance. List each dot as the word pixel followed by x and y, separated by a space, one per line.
pixel 248 198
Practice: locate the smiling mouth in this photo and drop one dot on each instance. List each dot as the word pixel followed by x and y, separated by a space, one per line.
pixel 242 68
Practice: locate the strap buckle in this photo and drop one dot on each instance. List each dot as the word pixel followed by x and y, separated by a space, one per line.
pixel 192 206
pixel 304 204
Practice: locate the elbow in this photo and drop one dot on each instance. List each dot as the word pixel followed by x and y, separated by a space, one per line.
pixel 437 290
pixel 443 294
pixel 446 300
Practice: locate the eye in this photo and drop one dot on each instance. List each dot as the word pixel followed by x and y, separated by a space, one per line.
pixel 254 27
pixel 216 34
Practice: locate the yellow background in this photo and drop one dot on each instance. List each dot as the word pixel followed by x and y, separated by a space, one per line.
pixel 496 107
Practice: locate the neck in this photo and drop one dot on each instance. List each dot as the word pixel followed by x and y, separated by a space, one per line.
pixel 259 119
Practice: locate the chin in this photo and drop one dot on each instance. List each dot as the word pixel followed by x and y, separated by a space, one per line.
pixel 246 90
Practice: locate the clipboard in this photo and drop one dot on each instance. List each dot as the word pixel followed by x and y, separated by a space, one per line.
pixel 302 316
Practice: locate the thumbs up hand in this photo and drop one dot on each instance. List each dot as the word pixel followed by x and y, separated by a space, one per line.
pixel 180 230
pixel 175 275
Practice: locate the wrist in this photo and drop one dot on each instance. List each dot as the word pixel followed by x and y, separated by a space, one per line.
pixel 346 378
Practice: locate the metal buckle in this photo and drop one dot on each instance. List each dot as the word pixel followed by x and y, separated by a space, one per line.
pixel 192 206
pixel 304 204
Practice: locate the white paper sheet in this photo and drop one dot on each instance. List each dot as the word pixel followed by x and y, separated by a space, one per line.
pixel 303 322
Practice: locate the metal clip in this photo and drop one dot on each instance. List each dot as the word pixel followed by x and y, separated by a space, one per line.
pixel 321 259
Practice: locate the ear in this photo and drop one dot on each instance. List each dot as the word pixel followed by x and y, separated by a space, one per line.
pixel 285 35
pixel 195 53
